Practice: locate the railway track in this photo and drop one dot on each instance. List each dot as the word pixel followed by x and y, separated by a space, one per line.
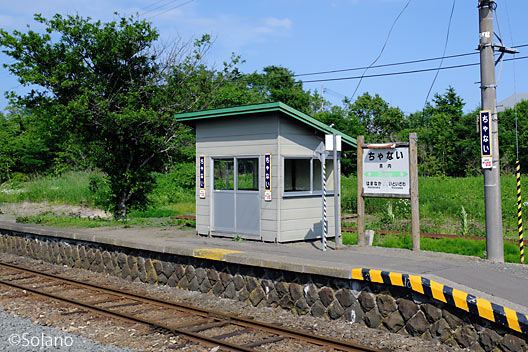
pixel 196 325
pixel 348 227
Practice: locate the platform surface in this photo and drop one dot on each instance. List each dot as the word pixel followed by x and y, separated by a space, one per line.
pixel 501 283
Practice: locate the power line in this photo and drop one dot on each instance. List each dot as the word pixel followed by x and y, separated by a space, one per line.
pixel 514 85
pixel 443 54
pixel 384 65
pixel 384 45
pixel 500 41
pixel 167 2
pixel 154 3
pixel 334 93
pixel 404 72
pixel 172 8
pixel 395 63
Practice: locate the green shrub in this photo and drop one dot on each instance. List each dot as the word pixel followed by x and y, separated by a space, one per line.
pixel 175 186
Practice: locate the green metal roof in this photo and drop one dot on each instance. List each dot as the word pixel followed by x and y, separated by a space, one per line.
pixel 191 117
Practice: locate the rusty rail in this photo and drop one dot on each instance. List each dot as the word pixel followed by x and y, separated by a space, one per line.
pixel 116 303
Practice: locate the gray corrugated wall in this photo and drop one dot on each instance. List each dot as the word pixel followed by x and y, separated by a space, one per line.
pixel 301 216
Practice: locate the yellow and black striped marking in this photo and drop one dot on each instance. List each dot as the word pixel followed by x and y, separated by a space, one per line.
pixel 519 209
pixel 462 300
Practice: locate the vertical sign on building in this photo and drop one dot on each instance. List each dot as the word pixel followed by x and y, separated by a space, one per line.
pixel 202 176
pixel 485 139
pixel 267 177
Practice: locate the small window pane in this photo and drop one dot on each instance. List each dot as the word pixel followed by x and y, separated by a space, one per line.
pixel 224 176
pixel 248 174
pixel 316 175
pixel 296 175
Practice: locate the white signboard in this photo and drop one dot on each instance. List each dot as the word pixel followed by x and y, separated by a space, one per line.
pixel 386 171
pixel 329 142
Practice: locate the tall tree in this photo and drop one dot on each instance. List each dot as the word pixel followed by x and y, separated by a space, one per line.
pixel 508 143
pixel 279 84
pixel 380 121
pixel 107 85
pixel 450 143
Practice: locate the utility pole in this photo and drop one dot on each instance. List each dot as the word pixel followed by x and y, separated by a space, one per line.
pixel 492 191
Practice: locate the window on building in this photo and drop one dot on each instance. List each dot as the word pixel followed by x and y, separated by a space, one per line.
pixel 304 175
pixel 247 174
pixel 297 175
pixel 224 175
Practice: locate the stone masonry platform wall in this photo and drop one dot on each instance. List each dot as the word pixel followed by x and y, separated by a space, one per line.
pixel 377 305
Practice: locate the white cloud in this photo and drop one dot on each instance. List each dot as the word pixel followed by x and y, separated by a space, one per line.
pixel 238 32
pixel 278 23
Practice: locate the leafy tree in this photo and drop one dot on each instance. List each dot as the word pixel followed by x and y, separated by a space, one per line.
pixel 338 117
pixel 380 121
pixel 279 84
pixel 449 143
pixel 26 147
pixel 114 93
pixel 8 133
pixel 507 142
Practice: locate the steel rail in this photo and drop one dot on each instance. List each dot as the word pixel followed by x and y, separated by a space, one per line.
pixel 233 319
pixel 113 314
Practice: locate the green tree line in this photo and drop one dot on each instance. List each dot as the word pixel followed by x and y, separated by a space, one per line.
pixel 104 95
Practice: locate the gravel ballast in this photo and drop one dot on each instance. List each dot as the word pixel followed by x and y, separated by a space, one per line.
pixel 108 331
pixel 18 334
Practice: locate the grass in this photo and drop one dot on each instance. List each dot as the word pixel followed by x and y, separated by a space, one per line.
pixel 462 246
pixel 88 189
pixel 441 203
pixel 71 188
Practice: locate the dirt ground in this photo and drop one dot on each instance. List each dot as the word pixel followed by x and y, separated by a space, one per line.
pixel 9 211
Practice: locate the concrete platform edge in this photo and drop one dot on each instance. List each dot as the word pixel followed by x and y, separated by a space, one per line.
pixel 480 307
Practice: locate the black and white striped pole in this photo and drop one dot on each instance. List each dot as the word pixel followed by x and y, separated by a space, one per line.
pixel 325 222
pixel 322 153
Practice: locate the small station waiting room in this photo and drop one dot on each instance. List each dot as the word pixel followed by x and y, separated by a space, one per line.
pixel 258 175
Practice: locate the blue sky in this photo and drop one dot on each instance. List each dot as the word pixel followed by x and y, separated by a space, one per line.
pixel 311 36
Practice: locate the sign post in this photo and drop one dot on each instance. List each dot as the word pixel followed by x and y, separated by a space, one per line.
pixel 333 144
pixel 360 198
pixel 388 171
pixel 415 204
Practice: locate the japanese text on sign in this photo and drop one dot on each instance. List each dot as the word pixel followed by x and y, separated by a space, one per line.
pixel 485 139
pixel 386 171
pixel 267 177
pixel 202 176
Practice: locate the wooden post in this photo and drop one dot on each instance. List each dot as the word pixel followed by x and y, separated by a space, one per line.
pixel 413 173
pixel 360 199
